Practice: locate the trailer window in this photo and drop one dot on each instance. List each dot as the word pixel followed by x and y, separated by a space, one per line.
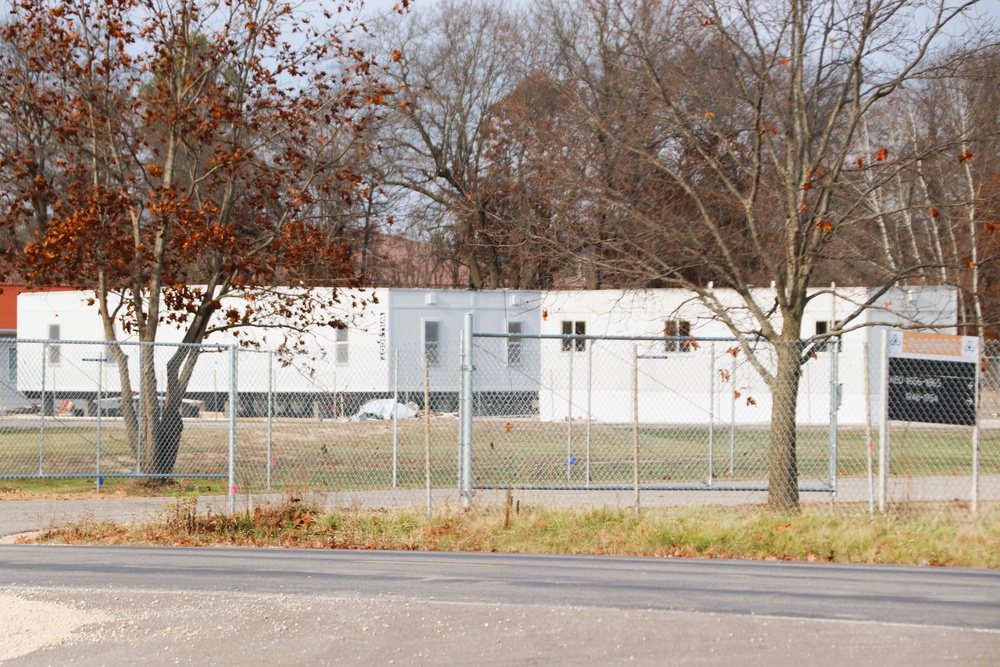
pixel 824 327
pixel 432 342
pixel 514 345
pixel 570 328
pixel 341 347
pixel 673 329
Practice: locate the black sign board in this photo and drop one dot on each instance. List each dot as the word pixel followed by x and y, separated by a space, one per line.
pixel 931 390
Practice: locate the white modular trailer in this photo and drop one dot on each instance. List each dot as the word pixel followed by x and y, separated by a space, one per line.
pixel 710 381
pixel 431 321
pixel 384 346
pixel 387 329
pixel 397 328
pixel 62 368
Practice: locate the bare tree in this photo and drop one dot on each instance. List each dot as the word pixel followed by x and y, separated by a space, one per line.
pixel 747 159
pixel 940 208
pixel 966 109
pixel 454 63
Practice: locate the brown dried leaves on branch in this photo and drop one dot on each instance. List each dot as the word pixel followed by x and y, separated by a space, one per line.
pixel 195 143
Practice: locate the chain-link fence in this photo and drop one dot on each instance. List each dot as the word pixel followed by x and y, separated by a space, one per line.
pixel 86 409
pixel 694 421
pixel 989 423
pixel 941 440
pixel 354 425
pixel 564 420
pixel 674 415
pixel 680 418
pixel 358 428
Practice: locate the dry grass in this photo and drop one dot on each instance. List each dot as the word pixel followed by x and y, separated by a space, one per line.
pixel 925 535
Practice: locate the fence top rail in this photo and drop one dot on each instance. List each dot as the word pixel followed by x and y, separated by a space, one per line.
pixel 708 339
pixel 599 337
pixel 65 341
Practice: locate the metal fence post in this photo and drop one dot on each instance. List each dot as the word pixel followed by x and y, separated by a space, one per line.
pixel 732 421
pixel 869 444
pixel 711 413
pixel 590 400
pixel 100 378
pixel 834 409
pixel 395 419
pixel 974 499
pixel 270 417
pixel 233 398
pixel 884 433
pixel 466 416
pixel 427 430
pixel 569 415
pixel 41 443
pixel 635 423
pixel 140 417
pixel 461 413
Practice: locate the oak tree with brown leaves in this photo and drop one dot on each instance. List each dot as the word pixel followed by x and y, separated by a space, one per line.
pixel 172 153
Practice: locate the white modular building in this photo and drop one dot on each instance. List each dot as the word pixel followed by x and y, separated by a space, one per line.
pixel 711 379
pixel 391 331
pixel 380 352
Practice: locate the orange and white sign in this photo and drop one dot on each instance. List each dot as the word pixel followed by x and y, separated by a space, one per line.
pixel 942 347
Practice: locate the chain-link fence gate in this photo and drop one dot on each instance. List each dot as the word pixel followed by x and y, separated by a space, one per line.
pixel 664 414
pixel 690 421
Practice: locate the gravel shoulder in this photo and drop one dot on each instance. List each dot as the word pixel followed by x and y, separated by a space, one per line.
pixel 102 627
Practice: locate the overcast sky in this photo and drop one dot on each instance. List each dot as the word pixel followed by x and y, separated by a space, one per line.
pixel 991 7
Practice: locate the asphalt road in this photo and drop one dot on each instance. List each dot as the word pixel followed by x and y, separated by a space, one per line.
pixel 275 606
pixel 925 596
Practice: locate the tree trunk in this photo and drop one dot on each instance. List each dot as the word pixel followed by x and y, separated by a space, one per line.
pixel 170 422
pixel 125 402
pixel 148 409
pixel 154 429
pixel 783 487
pixel 467 251
pixel 169 427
